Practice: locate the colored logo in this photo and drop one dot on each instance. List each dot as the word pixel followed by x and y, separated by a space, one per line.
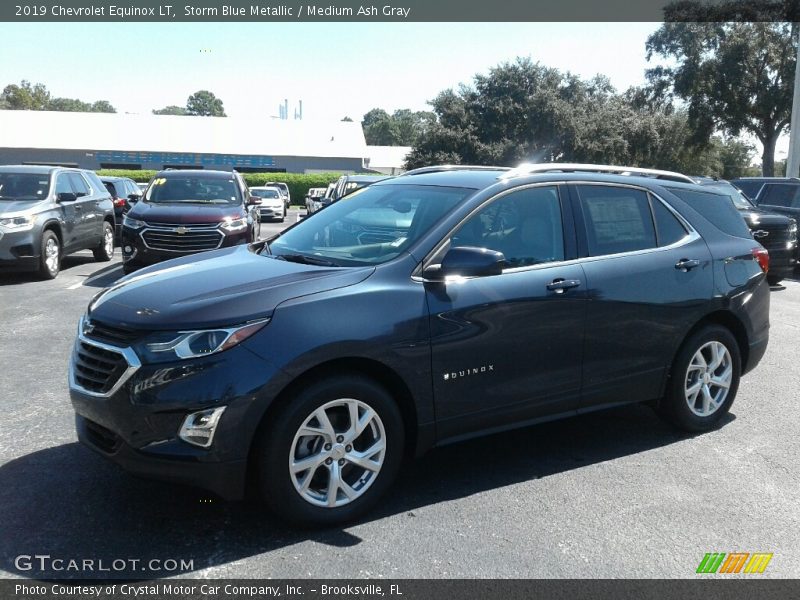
pixel 734 562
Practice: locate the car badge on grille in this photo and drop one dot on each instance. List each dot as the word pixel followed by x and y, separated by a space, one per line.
pixel 760 234
pixel 181 230
pixel 88 327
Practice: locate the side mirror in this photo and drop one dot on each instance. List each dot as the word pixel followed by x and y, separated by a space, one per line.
pixel 467 261
pixel 254 201
pixel 67 197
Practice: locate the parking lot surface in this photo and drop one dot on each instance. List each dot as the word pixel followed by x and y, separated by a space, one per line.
pixel 614 494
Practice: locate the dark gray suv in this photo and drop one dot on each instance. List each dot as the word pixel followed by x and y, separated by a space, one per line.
pixel 47 212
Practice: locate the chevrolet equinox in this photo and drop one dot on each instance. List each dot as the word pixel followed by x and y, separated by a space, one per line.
pixel 439 305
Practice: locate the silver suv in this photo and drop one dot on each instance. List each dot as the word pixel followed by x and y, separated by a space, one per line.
pixel 48 212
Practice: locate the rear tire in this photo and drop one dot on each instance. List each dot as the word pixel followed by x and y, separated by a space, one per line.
pixel 774 279
pixel 105 251
pixel 49 255
pixel 362 454
pixel 703 381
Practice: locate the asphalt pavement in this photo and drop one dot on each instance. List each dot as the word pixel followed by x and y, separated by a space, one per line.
pixel 614 494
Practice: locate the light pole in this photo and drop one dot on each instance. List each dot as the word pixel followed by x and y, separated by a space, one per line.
pixel 793 159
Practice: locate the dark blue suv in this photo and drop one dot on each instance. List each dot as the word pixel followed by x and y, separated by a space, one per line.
pixel 442 304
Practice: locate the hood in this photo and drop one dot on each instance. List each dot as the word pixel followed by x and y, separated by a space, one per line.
pixel 757 217
pixel 212 289
pixel 184 212
pixel 11 208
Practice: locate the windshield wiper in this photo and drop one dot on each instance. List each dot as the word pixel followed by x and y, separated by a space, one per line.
pixel 306 260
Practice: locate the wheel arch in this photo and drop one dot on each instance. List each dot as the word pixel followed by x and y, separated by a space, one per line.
pixel 54 226
pixel 727 320
pixel 371 369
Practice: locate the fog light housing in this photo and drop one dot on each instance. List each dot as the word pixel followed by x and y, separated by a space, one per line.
pixel 198 427
pixel 128 249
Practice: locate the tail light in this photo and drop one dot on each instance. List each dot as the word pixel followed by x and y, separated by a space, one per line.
pixel 119 202
pixel 762 257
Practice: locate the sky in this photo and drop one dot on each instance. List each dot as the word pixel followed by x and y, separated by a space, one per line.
pixel 336 69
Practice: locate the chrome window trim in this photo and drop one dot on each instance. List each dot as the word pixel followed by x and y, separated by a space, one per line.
pixel 690 237
pixel 127 353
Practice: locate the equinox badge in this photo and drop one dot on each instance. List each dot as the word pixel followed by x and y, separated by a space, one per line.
pixel 468 372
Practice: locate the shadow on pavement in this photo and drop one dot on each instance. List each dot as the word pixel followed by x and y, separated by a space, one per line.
pixel 68 502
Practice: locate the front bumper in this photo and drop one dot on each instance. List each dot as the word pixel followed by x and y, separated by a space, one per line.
pixel 136 423
pixel 19 250
pixel 274 212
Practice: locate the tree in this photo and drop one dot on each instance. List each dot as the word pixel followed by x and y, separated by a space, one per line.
pixel 347 120
pixel 103 106
pixel 204 104
pixel 25 96
pixel 734 77
pixel 402 128
pixel 171 110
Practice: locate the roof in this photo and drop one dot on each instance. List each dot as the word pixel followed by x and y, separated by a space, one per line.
pixel 35 169
pixel 171 133
pixel 453 177
pixel 530 168
pixel 386 157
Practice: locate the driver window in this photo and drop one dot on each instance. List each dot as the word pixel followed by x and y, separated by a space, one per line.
pixel 524 225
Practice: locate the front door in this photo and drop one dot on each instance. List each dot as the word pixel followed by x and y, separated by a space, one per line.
pixel 507 348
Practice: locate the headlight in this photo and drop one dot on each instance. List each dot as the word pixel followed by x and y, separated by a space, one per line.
pixel 17 223
pixel 132 223
pixel 232 225
pixel 170 346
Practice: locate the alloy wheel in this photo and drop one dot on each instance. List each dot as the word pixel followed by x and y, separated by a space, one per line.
pixel 51 252
pixel 708 379
pixel 337 453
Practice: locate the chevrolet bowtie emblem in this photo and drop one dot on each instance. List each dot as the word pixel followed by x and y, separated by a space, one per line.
pixel 760 234
pixel 181 230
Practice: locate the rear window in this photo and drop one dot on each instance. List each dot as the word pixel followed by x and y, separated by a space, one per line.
pixel 780 194
pixel 716 208
pixel 111 189
pixel 749 187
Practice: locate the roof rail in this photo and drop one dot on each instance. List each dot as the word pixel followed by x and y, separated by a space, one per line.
pixel 441 168
pixel 533 168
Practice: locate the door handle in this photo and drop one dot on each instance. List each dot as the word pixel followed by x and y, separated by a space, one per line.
pixel 686 264
pixel 559 286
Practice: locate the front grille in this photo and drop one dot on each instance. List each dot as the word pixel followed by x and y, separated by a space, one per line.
pixel 776 237
pixel 103 438
pixel 97 369
pixel 118 336
pixel 183 238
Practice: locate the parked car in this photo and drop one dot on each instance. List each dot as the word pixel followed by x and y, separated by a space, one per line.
pixel 284 188
pixel 312 197
pixel 272 205
pixel 776 232
pixel 49 212
pixel 123 192
pixel 185 212
pixel 428 308
pixel 752 185
pixel 780 194
pixel 350 183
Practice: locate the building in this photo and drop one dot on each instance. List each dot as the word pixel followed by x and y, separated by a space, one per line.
pixel 125 141
pixel 389 160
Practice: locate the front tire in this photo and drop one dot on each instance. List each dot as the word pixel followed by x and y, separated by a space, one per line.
pixel 331 453
pixel 704 380
pixel 49 255
pixel 105 251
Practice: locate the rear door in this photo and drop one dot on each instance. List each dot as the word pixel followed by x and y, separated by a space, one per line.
pixel 89 229
pixel 648 278
pixel 507 348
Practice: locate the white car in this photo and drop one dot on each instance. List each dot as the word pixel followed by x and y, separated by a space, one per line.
pixel 272 204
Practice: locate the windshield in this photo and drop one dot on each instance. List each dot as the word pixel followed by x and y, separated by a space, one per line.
pixel 195 190
pixel 266 193
pixel 735 194
pixel 370 226
pixel 24 186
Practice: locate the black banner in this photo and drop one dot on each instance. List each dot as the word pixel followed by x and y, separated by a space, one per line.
pixel 396 10
pixel 400 589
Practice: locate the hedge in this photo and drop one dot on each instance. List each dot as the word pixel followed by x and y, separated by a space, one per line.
pixel 298 183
